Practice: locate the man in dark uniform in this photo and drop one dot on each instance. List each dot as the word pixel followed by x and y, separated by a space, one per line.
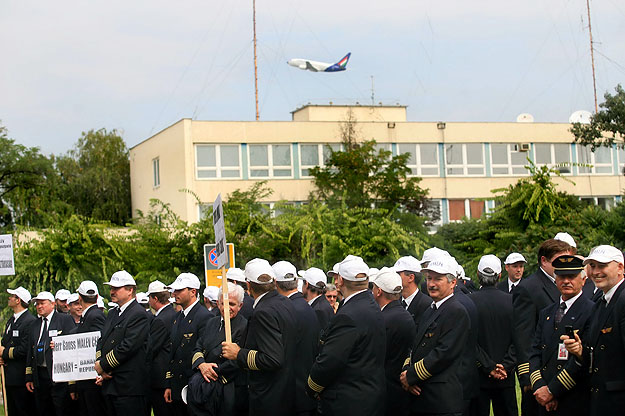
pixel 400 333
pixel 159 346
pixel 348 374
pixel 60 299
pixel 431 372
pixel 529 297
pixel 412 299
pixel 120 353
pixel 495 352
pixel 207 358
pixel 600 355
pixel 307 334
pixel 554 388
pixel 269 352
pixel 15 347
pixel 236 276
pixel 184 334
pixel 314 290
pixel 87 392
pixel 50 397
pixel 515 266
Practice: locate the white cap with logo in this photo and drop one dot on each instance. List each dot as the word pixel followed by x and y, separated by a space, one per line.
pixel 407 264
pixel 156 287
pixel 514 258
pixel 44 296
pixel 256 268
pixel 73 297
pixel 21 293
pixel 185 281
pixel 236 274
pixel 314 276
pixel 285 271
pixel 489 264
pixel 567 238
pixel 444 264
pixel 388 280
pixel 142 297
pixel 62 294
pixel 605 254
pixel 351 267
pixel 120 279
pixel 88 288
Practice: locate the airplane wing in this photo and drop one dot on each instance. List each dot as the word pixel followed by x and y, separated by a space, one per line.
pixel 310 67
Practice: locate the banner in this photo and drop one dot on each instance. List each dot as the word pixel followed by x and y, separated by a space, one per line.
pixel 73 357
pixel 220 233
pixel 7 267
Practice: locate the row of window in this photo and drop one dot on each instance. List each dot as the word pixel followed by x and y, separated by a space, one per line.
pixel 215 161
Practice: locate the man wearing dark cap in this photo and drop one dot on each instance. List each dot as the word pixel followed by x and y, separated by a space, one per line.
pixel 553 386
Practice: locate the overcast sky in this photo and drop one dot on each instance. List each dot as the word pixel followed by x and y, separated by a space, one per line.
pixel 139 66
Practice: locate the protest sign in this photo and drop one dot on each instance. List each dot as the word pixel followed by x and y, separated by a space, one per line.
pixel 73 357
pixel 7 266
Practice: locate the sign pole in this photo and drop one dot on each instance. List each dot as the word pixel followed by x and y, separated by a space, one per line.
pixel 222 258
pixel 4 391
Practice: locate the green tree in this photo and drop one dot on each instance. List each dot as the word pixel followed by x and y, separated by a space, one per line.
pixel 606 127
pixel 97 176
pixel 361 175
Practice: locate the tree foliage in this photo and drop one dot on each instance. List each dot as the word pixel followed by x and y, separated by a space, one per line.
pixel 606 127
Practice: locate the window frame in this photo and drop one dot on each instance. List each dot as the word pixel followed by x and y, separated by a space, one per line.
pixel 593 170
pixel 156 172
pixel 553 164
pixel 320 155
pixel 419 165
pixel 464 165
pixel 218 169
pixel 508 165
pixel 270 167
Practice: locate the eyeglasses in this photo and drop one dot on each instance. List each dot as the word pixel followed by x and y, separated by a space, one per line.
pixel 331 296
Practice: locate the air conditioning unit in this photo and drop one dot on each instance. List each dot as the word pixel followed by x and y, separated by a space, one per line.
pixel 524 147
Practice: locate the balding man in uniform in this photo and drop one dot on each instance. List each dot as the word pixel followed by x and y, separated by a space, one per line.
pixel 350 363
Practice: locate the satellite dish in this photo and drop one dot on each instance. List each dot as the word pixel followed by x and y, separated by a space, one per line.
pixel 525 118
pixel 580 116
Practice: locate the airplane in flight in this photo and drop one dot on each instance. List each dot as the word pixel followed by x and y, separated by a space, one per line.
pixel 315 66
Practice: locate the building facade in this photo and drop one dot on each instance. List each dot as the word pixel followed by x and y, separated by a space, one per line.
pixel 460 163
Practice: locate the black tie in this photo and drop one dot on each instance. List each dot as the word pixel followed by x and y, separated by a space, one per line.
pixel 404 304
pixel 560 313
pixel 41 345
pixel 511 288
pixel 434 306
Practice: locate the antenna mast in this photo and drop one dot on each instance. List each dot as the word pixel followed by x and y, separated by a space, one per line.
pixel 592 56
pixel 372 92
pixel 256 60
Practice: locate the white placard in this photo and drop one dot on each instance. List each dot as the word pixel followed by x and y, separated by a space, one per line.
pixel 220 233
pixel 7 264
pixel 73 357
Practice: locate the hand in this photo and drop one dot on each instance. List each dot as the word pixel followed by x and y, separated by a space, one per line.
pixel 1 361
pixel 573 346
pixel 208 372
pixel 167 396
pixel 230 350
pixel 404 381
pixel 552 405
pixel 1 350
pixel 98 368
pixel 416 390
pixel 98 381
pixel 30 386
pixel 543 395
pixel 107 376
pixel 73 395
pixel 51 345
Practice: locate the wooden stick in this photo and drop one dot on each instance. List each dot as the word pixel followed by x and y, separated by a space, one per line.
pixel 224 291
pixel 4 391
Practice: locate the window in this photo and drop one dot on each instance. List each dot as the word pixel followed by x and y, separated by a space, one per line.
pixel 218 161
pixel 600 159
pixel 621 161
pixel 460 208
pixel 270 160
pixel 464 159
pixel 156 171
pixel 507 160
pixel 311 155
pixel 553 155
pixel 606 202
pixel 423 160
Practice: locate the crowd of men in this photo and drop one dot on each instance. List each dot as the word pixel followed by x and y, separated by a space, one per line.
pixel 416 338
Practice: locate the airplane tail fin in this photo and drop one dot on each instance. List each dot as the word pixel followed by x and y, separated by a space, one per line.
pixel 343 62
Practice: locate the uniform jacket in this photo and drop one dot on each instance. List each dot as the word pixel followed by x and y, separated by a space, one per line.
pixel 547 370
pixel 494 309
pixel 184 334
pixel 62 324
pixel 269 355
pixel 529 297
pixel 468 373
pixel 324 311
pixel 503 285
pixel 121 351
pixel 350 363
pixel 419 304
pixel 603 358
pixel 247 308
pixel 159 346
pixel 208 350
pixel 400 334
pixel 16 346
pixel 436 358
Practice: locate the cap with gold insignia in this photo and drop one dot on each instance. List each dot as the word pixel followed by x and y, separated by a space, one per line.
pixel 567 265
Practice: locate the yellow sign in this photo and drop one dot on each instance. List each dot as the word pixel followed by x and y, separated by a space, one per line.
pixel 213 274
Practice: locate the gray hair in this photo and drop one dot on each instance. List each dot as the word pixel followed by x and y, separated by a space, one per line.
pixel 488 277
pixel 234 291
pixel 451 277
pixel 331 287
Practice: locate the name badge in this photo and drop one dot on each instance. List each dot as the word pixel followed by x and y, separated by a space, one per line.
pixel 563 354
pixel 16 333
pixel 53 333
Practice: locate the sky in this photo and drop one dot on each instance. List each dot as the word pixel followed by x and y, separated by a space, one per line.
pixel 139 66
